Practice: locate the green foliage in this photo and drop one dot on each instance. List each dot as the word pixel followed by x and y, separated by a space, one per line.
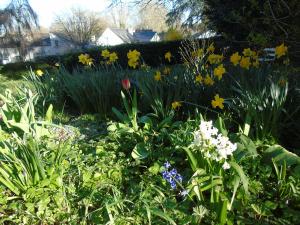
pixel 259 100
pixel 94 171
pixel 15 71
pixel 259 22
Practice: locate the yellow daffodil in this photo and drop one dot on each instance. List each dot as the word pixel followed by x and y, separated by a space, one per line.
pixel 89 61
pixel 245 62
pixel 85 59
pixel 215 58
pixel 199 79
pixel 166 71
pixel 133 58
pixel 39 73
pixel 133 54
pixel 82 58
pixel 211 48
pixel 113 57
pixel 208 81
pixel 176 105
pixel 105 54
pixel 247 52
pixel 217 102
pixel 280 50
pixel 219 71
pixel 168 56
pixel 198 53
pixel 132 63
pixel 235 58
pixel 157 76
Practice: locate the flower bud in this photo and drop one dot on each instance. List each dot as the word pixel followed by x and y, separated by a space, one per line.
pixel 126 84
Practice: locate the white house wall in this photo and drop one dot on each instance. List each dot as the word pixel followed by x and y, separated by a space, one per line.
pixel 155 37
pixel 109 38
pixel 8 55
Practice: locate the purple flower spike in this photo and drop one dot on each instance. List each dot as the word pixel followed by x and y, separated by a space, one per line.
pixel 167 165
pixel 184 193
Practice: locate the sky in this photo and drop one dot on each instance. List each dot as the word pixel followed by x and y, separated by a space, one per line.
pixel 47 9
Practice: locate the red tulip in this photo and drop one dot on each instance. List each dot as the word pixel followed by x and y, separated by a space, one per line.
pixel 126 84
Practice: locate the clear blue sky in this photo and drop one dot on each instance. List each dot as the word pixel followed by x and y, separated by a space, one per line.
pixel 47 9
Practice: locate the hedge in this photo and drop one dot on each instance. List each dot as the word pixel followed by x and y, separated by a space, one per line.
pixel 152 53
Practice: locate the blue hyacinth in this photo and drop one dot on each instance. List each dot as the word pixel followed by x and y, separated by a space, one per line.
pixel 171 176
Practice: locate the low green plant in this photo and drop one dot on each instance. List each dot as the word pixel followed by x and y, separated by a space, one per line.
pixel 19 113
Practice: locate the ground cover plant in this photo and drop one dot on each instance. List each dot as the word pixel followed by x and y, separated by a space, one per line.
pixel 203 142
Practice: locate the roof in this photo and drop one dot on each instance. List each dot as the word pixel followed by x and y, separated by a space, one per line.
pixel 123 34
pixel 42 40
pixel 201 35
pixel 143 35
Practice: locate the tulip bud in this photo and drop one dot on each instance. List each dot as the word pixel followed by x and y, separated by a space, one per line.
pixel 126 84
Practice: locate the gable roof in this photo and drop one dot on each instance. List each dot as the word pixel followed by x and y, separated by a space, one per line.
pixel 123 34
pixel 143 35
pixel 42 40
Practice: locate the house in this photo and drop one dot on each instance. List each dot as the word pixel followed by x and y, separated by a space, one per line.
pixel 9 54
pixel 115 36
pixel 145 36
pixel 45 45
pixel 49 44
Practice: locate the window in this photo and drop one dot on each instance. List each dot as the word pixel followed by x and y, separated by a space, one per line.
pixel 56 43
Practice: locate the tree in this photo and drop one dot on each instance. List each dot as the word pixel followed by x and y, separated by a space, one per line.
pixel 79 26
pixel 256 21
pixel 119 15
pixel 17 17
pixel 152 16
pixel 16 22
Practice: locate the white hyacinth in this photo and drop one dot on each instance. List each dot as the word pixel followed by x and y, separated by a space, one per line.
pixel 213 144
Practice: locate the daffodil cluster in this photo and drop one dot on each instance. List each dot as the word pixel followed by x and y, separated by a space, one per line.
pixel 215 58
pixel 212 144
pixel 110 57
pixel 85 59
pixel 133 58
pixel 248 58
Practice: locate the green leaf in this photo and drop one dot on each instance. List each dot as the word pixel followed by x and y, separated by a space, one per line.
pixel 49 114
pixel 154 169
pixel 123 118
pixel 162 215
pixel 140 152
pixel 222 214
pixel 242 175
pixel 247 125
pixel 245 147
pixel 192 159
pixel 126 105
pixel 221 126
pixel 279 155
